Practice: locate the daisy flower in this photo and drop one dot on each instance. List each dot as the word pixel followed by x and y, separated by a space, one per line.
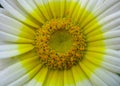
pixel 60 43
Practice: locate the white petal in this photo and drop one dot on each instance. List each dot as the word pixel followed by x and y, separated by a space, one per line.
pixel 14 31
pixel 95 80
pixel 109 52
pixel 106 61
pixel 83 2
pixel 109 19
pixel 20 69
pixel 28 8
pixel 112 68
pixel 117 28
pixel 17 13
pixel 14 52
pixel 89 6
pixel 105 7
pixel 112 41
pixel 104 75
pixel 106 35
pixel 105 42
pixel 99 3
pixel 116 47
pixel 13 11
pixel 31 83
pixel 8 47
pixel 101 74
pixel 116 77
pixel 111 25
pixel 4 63
pixel 108 8
pixel 79 77
pixel 102 12
pixel 12 38
pixel 77 12
pixel 112 34
pixel 119 52
pixel 12 73
pixel 25 78
pixel 40 76
pixel 16 25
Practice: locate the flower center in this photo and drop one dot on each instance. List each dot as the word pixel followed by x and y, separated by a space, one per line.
pixel 60 44
pixel 61 41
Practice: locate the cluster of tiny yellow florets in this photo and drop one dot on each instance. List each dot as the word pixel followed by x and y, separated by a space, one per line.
pixel 55 60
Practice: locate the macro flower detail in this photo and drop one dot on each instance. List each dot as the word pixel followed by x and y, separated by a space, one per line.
pixel 59 43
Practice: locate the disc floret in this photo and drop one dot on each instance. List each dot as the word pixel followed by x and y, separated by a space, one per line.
pixel 60 44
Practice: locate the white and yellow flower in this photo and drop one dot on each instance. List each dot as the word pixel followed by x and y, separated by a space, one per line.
pixel 60 43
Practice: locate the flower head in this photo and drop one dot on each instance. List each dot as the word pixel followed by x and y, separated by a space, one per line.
pixel 59 43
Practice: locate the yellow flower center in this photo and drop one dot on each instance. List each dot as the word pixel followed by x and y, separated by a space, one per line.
pixel 60 44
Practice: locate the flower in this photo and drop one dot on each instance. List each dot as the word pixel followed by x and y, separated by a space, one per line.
pixel 59 43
